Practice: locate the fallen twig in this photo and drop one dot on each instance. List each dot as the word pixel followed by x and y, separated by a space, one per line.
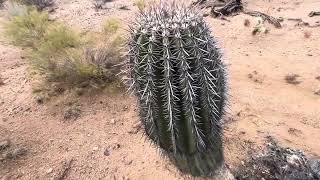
pixel 300 22
pixel 233 6
pixel 264 16
pixel 206 4
pixel 64 171
pixel 314 13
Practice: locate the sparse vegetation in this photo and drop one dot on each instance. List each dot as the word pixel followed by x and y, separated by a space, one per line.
pixel 61 54
pixel 27 27
pixel 39 4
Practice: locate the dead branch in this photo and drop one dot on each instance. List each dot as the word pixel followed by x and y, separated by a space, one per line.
pixel 209 3
pixel 264 16
pixel 300 23
pixel 64 170
pixel 233 6
pixel 314 13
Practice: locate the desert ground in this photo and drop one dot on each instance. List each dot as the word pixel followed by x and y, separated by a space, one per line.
pixel 106 140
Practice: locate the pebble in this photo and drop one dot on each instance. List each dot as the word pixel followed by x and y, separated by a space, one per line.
pixel 106 152
pixel 49 170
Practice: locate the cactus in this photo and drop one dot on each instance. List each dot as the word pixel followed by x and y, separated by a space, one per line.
pixel 179 79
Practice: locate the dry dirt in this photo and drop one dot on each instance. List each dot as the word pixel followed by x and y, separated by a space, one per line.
pixel 105 141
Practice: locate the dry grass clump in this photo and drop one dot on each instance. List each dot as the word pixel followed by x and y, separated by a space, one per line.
pixel 61 54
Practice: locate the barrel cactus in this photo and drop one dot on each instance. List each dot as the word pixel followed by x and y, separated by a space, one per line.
pixel 180 82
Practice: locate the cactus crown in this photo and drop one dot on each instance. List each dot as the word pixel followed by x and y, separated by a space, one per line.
pixel 179 79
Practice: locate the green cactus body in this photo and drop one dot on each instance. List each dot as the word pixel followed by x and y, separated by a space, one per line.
pixel 179 80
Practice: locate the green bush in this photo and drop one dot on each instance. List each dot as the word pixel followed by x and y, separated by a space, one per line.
pixel 61 54
pixel 27 29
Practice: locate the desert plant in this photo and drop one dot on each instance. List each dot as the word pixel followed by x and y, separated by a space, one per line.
pixel 40 4
pixel 111 26
pixel 62 55
pixel 27 27
pixel 179 79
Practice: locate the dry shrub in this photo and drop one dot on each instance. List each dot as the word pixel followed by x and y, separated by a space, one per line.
pixel 39 4
pixel 111 26
pixel 62 55
pixel 26 27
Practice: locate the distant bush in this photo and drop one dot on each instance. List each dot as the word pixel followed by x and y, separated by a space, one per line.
pixel 61 54
pixel 40 4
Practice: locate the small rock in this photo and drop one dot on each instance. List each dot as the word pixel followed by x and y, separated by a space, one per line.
pixel 49 170
pixel 135 129
pixel 116 146
pixel 39 99
pixel 317 92
pixel 4 144
pixel 106 152
pixel 127 161
pixel 95 148
pixel 318 78
pixel 112 121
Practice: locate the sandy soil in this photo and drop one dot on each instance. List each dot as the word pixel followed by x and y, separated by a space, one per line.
pixel 106 142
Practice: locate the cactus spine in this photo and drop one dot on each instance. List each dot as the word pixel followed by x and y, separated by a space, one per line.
pixel 179 80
